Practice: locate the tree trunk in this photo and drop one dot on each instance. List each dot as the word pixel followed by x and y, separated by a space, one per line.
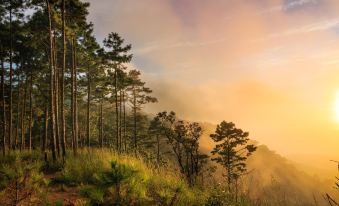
pixel 74 102
pixel 3 104
pixel 30 112
pixel 228 169
pixel 56 96
pixel 51 85
pixel 16 134
pixel 23 115
pixel 120 121
pixel 72 97
pixel 124 114
pixel 116 109
pixel 44 140
pixel 158 149
pixel 101 126
pixel 135 120
pixel 10 80
pixel 88 107
pixel 62 83
pixel 76 130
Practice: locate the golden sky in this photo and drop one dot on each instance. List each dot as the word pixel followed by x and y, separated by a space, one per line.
pixel 270 66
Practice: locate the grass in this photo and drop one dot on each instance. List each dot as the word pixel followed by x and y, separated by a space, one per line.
pixel 102 177
pixel 109 177
pixel 21 178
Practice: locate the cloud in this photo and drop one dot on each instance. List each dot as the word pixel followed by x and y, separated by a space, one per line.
pixel 293 4
pixel 313 27
pixel 269 65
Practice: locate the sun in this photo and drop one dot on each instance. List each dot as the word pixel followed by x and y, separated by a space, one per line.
pixel 336 106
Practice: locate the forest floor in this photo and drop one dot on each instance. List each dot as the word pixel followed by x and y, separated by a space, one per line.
pixel 68 196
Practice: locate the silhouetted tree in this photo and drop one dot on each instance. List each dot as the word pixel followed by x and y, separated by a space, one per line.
pixel 231 151
pixel 183 138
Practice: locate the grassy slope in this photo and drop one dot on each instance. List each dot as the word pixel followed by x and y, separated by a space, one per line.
pixel 92 178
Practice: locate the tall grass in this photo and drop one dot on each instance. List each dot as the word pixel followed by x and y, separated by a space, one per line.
pixel 105 177
pixel 108 176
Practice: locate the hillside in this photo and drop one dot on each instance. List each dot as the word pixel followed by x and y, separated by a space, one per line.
pixel 93 177
pixel 276 179
pixel 103 177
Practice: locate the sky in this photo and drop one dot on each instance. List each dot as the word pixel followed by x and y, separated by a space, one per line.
pixel 269 66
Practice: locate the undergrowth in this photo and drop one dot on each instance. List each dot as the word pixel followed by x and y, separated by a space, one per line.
pixel 103 177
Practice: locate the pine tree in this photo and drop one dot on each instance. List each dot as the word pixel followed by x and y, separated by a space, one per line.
pixel 51 81
pixel 231 151
pixel 116 55
pixel 140 95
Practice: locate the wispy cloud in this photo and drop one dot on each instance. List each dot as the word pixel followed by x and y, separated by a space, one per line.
pixel 298 3
pixel 313 27
pixel 290 5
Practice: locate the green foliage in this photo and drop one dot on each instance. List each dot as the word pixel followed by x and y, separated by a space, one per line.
pixel 117 175
pixel 95 194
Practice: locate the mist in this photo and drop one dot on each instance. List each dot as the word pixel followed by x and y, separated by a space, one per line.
pixel 275 75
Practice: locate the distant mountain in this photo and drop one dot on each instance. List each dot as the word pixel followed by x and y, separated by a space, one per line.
pixel 275 179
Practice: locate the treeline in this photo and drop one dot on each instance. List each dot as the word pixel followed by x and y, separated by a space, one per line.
pixel 61 90
pixel 53 67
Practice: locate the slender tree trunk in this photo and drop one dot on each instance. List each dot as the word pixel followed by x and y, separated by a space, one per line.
pixel 10 80
pixel 158 149
pixel 51 83
pixel 124 117
pixel 120 121
pixel 228 169
pixel 88 107
pixel 30 112
pixel 116 109
pixel 135 120
pixel 56 96
pixel 16 134
pixel 101 126
pixel 72 98
pixel 44 140
pixel 3 104
pixel 76 127
pixel 23 116
pixel 62 83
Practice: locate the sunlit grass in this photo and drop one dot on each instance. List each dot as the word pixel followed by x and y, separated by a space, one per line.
pixel 103 176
